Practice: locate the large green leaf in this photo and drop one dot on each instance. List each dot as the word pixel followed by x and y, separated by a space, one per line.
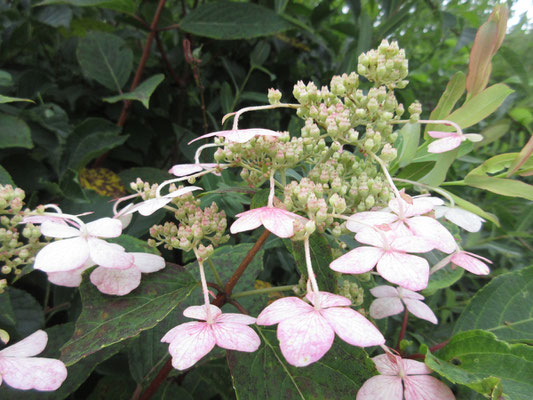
pixel 77 374
pixel 266 375
pixel 502 307
pixel 232 20
pixel 321 257
pixel 5 178
pixel 127 6
pixel 410 134
pixel 28 313
pixel 106 59
pixel 14 132
pixel 106 320
pixel 505 187
pixel 480 361
pixel 141 93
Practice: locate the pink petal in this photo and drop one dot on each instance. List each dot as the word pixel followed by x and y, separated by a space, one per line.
pixel 200 312
pixel 234 336
pixel 109 255
pixel 33 373
pixel 361 220
pixel 432 230
pixel 71 278
pixel 305 338
pixel 27 347
pixel 239 135
pixel 190 343
pixel 118 282
pixel 147 262
pixel 471 264
pixel 62 255
pixel 412 244
pixel 441 135
pixel 182 191
pixel 352 327
pixel 326 299
pixel 279 222
pixel 357 261
pixel 385 366
pixel 409 294
pixel 412 367
pixel 246 221
pixel 57 230
pixel 385 307
pixel 282 309
pixel 420 310
pixel 148 207
pixel 236 318
pixel 384 291
pixel 420 206
pixel 39 219
pixel 425 387
pixel 105 227
pixel 464 219
pixel 444 145
pixel 185 169
pixel 381 387
pixel 408 271
pixel 373 237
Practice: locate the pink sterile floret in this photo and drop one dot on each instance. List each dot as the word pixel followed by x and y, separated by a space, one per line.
pixel 471 262
pixel 189 169
pixel 450 140
pixel 390 301
pixel 460 217
pixel 148 207
pixel 407 219
pixel 276 220
pixel 19 369
pixel 81 245
pixel 388 249
pixel 191 341
pixel 239 135
pixel 306 332
pixel 395 371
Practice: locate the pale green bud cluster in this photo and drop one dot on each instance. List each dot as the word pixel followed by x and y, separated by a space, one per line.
pixel 352 291
pixel 415 109
pixel 146 190
pixel 196 226
pixel 274 96
pixel 385 66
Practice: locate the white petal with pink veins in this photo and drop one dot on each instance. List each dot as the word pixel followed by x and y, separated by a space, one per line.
pixel 445 144
pixel 182 191
pixel 191 344
pixel 425 387
pixel 285 308
pixel 413 367
pixel 409 294
pixel 357 261
pixel 246 221
pixel 381 387
pixel 148 207
pixel 325 299
pixel 471 264
pixel 408 271
pixel 464 219
pixel 62 255
pixel 109 255
pixel 352 327
pixel 118 282
pixel 412 244
pixel 384 291
pixel 440 134
pixel 305 338
pixel 432 230
pixel 33 373
pixel 362 220
pixel 385 307
pixel 420 310
pixel 105 227
pixel 420 206
pixel 27 347
pixel 373 237
pixel 57 230
pixel 185 169
pixel 233 336
pixel 71 278
pixel 277 222
pixel 200 312
pixel 236 318
pixel 147 262
pixel 385 366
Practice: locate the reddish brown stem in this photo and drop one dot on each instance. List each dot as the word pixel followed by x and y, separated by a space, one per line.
pixel 161 49
pixel 219 301
pixel 431 350
pixel 402 331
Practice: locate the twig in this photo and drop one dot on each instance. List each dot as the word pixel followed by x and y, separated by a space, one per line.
pixel 404 327
pixel 161 49
pixel 194 63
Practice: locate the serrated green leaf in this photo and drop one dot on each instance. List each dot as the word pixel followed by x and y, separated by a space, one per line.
pixel 443 278
pixel 141 93
pixel 105 58
pixel 14 132
pixel 265 375
pixel 479 360
pixel 29 315
pixel 127 6
pixel 231 20
pixel 321 257
pixel 134 245
pixel 106 320
pixel 502 307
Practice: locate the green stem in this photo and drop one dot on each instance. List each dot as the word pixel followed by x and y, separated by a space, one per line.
pixel 215 272
pixel 238 94
pixel 454 183
pixel 326 156
pixel 263 290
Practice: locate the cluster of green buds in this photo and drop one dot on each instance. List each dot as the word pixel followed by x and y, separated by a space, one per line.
pixel 352 291
pixel 146 190
pixel 201 229
pixel 385 66
pixel 18 243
